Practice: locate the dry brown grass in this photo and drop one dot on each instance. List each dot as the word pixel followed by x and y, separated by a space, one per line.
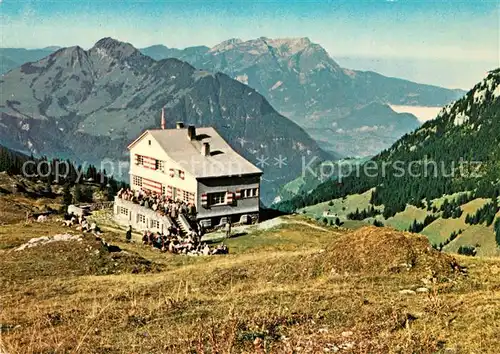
pixel 13 207
pixel 267 296
pixel 372 250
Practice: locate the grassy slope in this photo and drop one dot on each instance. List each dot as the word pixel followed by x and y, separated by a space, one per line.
pixel 440 230
pixel 224 303
pixel 403 220
pixel 342 207
pixel 437 232
pixel 294 186
pixel 439 201
pixel 13 208
pixel 477 235
pixel 310 182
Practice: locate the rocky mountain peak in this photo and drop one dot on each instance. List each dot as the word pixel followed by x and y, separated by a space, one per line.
pixel 290 46
pixel 68 51
pixel 460 112
pixel 114 48
pixel 109 53
pixel 282 46
pixel 226 45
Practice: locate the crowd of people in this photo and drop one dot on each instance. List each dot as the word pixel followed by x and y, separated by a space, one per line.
pixel 159 203
pixel 173 242
pixel 81 223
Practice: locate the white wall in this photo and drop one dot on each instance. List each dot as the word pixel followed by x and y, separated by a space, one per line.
pixel 154 150
pixel 132 220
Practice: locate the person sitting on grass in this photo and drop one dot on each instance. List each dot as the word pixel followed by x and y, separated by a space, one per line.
pixel 85 225
pixel 66 223
pixel 151 238
pixel 94 228
pixel 157 243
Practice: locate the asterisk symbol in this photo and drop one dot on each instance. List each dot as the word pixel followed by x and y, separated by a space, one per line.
pixel 262 161
pixel 242 141
pixel 280 161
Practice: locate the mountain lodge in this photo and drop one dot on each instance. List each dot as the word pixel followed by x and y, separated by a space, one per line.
pixel 195 166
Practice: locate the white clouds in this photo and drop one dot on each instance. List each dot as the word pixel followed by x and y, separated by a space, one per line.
pixel 441 72
pixel 422 113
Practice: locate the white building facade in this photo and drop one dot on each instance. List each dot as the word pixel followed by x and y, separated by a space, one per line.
pixel 195 165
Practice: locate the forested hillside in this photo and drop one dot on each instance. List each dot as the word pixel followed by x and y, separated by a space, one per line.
pixel 50 172
pixel 458 151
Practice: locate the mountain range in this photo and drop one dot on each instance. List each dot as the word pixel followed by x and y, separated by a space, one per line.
pixel 87 105
pixel 301 81
pixel 11 58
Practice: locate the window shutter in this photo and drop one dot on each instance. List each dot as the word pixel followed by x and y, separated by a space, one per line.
pixel 204 200
pixel 238 194
pixel 171 172
pixel 169 192
pixel 229 198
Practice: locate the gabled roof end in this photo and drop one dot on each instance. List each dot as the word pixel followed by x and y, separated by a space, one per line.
pixel 137 140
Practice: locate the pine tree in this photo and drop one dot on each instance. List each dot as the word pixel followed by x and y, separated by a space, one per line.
pixel 67 197
pixel 497 231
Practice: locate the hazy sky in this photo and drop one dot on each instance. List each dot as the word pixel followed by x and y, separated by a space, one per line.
pixel 451 43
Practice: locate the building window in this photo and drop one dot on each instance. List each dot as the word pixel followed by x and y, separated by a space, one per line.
pixel 155 224
pixel 187 196
pixel 123 211
pixel 149 142
pixel 137 181
pixel 160 165
pixel 139 160
pixel 250 192
pixel 218 198
pixel 141 219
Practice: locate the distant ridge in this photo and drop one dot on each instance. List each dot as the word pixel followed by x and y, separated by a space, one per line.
pixel 302 81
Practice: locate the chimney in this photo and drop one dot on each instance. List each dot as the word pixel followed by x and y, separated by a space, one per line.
pixel 163 118
pixel 179 125
pixel 191 132
pixel 205 149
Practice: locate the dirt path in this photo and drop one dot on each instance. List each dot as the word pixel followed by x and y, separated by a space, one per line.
pixel 219 235
pixel 313 226
pixel 310 225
